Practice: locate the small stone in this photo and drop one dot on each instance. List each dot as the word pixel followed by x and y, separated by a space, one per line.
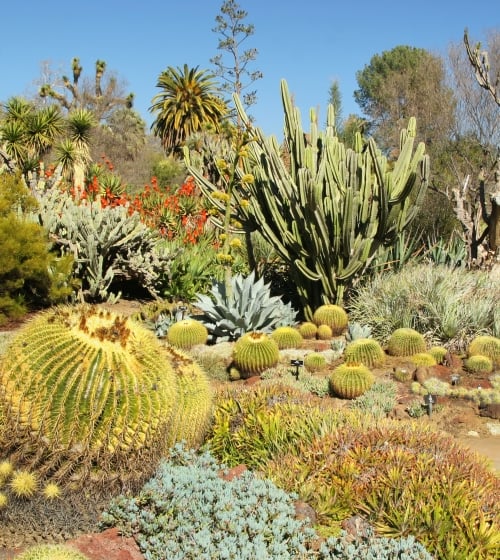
pixel 304 511
pixel 473 433
pixel 493 428
pixel 422 373
pixel 233 473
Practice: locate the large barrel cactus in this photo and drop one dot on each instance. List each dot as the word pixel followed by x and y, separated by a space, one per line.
pixel 332 315
pixel 351 380
pixel 254 352
pixel 405 342
pixel 89 395
pixel 486 345
pixel 366 351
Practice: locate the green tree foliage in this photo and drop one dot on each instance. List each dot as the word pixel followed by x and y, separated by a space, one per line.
pixel 30 276
pixel 188 102
pixel 233 66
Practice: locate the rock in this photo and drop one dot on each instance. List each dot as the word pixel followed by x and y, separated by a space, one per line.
pixel 356 527
pixel 109 545
pixel 453 361
pixel 473 433
pixel 490 411
pixel 422 373
pixel 304 511
pixel 494 429
pixel 234 472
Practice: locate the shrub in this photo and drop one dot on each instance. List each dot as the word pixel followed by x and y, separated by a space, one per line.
pixel 378 401
pixel 451 305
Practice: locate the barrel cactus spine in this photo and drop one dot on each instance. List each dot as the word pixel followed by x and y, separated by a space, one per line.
pixel 87 392
pixel 287 337
pixel 187 333
pixel 255 352
pixel 486 345
pixel 351 380
pixel 332 315
pixel 405 342
pixel 366 351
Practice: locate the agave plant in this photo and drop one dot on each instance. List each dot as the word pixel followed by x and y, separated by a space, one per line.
pixel 246 307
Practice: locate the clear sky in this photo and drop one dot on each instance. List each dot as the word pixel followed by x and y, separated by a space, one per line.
pixel 309 43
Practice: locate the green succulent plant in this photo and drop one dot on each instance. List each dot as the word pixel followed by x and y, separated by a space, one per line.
pixel 89 395
pixel 486 345
pixel 315 361
pixel 478 364
pixel 324 332
pixel 254 352
pixel 187 333
pixel 287 337
pixel 439 353
pixel 356 330
pixel 366 351
pixel 351 380
pixel 51 552
pixel 406 342
pixel 332 315
pixel 423 359
pixel 246 307
pixel 308 330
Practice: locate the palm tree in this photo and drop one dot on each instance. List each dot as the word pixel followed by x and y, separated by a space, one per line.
pixel 188 103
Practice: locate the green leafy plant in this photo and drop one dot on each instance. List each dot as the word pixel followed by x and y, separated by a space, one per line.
pixel 351 380
pixel 247 306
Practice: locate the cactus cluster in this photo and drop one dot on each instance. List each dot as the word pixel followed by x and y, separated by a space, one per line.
pixel 486 345
pixel 187 333
pixel 366 351
pixel 478 364
pixel 308 330
pixel 91 395
pixel 254 352
pixel 51 552
pixel 332 315
pixel 405 342
pixel 351 380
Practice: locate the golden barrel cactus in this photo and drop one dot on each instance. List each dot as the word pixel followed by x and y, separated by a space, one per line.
pixel 87 394
pixel 254 352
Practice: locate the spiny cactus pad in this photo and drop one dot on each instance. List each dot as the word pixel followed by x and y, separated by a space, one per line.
pixel 486 345
pixel 406 342
pixel 332 315
pixel 366 351
pixel 287 337
pixel 87 394
pixel 351 380
pixel 254 352
pixel 187 333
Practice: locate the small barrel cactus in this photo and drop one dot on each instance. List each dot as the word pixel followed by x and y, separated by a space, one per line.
pixel 51 552
pixel 478 364
pixel 439 353
pixel 87 395
pixel 308 330
pixel 366 351
pixel 423 359
pixel 315 361
pixel 287 337
pixel 254 352
pixel 187 333
pixel 351 380
pixel 485 345
pixel 332 315
pixel 406 342
pixel 324 332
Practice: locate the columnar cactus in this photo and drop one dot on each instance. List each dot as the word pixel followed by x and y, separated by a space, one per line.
pixel 329 209
pixel 287 337
pixel 351 380
pixel 87 393
pixel 254 352
pixel 406 342
pixel 366 351
pixel 187 333
pixel 332 315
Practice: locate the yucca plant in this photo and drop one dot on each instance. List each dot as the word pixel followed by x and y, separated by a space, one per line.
pixel 246 307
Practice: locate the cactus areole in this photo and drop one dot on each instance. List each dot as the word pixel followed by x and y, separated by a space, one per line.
pixel 86 394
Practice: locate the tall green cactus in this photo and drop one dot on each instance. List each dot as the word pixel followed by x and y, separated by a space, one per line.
pixel 329 211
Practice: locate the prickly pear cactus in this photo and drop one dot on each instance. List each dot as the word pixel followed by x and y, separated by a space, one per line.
pixel 351 380
pixel 308 330
pixel 87 394
pixel 187 333
pixel 406 342
pixel 486 345
pixel 315 361
pixel 366 351
pixel 254 352
pixel 287 337
pixel 332 315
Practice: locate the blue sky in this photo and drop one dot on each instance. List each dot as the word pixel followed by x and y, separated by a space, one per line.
pixel 309 43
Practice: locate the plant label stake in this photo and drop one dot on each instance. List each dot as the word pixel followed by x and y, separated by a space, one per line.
pixel 297 364
pixel 429 400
